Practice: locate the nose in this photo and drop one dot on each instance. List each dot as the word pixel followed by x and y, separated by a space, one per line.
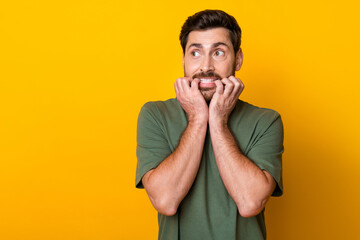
pixel 207 64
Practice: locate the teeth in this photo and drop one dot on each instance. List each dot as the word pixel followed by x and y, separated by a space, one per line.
pixel 206 80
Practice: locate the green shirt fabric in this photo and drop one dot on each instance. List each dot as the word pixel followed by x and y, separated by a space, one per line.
pixel 208 212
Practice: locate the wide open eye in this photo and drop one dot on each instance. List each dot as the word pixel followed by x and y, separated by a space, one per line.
pixel 195 53
pixel 219 53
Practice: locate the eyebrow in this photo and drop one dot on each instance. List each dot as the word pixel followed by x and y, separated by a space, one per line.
pixel 214 45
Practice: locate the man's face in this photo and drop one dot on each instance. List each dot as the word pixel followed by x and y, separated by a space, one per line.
pixel 209 56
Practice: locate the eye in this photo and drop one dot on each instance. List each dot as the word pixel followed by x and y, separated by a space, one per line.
pixel 195 54
pixel 219 53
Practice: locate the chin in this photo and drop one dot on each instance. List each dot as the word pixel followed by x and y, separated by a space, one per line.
pixel 208 93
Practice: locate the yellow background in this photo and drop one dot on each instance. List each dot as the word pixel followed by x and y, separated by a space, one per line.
pixel 74 74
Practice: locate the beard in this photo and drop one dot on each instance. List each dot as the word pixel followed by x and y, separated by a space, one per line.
pixel 208 93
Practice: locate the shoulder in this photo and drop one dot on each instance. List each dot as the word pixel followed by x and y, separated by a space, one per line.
pixel 256 112
pixel 168 105
pixel 160 109
pixel 246 114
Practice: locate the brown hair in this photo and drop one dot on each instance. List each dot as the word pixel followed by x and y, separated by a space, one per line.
pixel 209 19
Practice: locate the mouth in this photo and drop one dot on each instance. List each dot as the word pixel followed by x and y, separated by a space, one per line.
pixel 207 80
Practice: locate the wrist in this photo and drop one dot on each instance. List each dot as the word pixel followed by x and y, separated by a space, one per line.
pixel 198 120
pixel 218 120
pixel 218 123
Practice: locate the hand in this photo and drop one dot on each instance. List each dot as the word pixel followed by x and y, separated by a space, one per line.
pixel 224 99
pixel 191 99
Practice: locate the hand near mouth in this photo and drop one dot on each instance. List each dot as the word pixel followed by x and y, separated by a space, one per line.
pixel 224 99
pixel 191 99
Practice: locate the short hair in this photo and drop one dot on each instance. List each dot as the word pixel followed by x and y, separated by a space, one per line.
pixel 209 19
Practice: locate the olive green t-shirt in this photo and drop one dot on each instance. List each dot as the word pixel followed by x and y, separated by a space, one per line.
pixel 208 212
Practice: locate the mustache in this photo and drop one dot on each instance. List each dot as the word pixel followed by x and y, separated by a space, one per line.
pixel 206 74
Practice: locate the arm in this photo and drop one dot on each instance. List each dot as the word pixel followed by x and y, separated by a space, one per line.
pixel 170 181
pixel 248 185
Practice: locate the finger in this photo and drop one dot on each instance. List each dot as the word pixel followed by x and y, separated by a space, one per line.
pixel 229 86
pixel 176 88
pixel 239 86
pixel 179 85
pixel 219 87
pixel 195 83
pixel 185 83
pixel 237 82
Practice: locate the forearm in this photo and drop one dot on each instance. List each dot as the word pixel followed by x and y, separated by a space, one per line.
pixel 168 184
pixel 248 185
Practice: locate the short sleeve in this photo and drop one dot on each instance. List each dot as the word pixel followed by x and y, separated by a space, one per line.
pixel 152 147
pixel 267 150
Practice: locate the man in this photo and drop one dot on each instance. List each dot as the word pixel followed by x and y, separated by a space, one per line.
pixel 209 161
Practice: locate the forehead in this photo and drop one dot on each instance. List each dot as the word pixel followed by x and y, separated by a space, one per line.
pixel 209 37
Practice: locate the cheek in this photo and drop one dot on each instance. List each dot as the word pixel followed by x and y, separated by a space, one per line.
pixel 227 67
pixel 191 66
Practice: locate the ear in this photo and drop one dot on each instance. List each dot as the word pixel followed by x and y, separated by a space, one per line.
pixel 239 59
